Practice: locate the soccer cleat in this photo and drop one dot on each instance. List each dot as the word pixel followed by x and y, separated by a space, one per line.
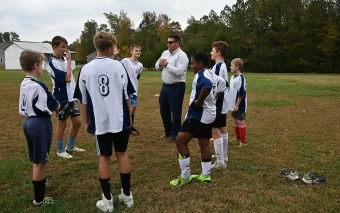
pixel 75 149
pixel 290 174
pixel 180 181
pixel 241 144
pixel 46 201
pixel 311 178
pixel 64 155
pixel 219 165
pixel 225 159
pixel 202 178
pixel 128 200
pixel 104 204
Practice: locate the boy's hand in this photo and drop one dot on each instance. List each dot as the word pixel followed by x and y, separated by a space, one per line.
pixel 235 109
pixel 68 55
pixel 86 125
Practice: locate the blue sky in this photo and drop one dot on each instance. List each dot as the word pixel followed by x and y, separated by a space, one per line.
pixel 39 20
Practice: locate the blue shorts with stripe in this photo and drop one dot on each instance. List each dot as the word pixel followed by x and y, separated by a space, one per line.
pixel 38 133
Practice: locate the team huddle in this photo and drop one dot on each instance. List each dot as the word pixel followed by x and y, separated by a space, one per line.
pixel 107 90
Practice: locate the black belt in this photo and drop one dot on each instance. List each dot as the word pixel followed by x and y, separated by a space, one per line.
pixel 174 84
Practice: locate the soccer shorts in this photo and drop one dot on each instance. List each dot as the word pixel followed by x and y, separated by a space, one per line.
pixel 239 115
pixel 133 99
pixel 38 134
pixel 117 140
pixel 220 121
pixel 70 109
pixel 197 129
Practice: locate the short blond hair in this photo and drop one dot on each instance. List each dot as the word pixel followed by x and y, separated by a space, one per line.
pixel 238 62
pixel 28 58
pixel 135 46
pixel 104 40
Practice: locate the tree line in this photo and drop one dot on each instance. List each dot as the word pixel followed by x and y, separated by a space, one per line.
pixel 9 36
pixel 297 36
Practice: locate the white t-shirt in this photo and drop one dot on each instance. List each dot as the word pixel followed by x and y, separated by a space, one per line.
pixel 105 82
pixel 35 99
pixel 133 69
pixel 205 79
pixel 57 69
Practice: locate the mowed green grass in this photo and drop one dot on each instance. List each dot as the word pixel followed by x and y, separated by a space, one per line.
pixel 292 121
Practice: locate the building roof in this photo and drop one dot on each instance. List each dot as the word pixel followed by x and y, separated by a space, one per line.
pixel 4 45
pixel 92 55
pixel 45 48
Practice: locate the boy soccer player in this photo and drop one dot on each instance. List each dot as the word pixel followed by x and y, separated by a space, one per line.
pixel 37 104
pixel 61 73
pixel 198 122
pixel 219 131
pixel 104 82
pixel 134 69
pixel 238 100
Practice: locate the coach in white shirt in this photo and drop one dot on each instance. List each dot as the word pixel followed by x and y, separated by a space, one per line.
pixel 173 63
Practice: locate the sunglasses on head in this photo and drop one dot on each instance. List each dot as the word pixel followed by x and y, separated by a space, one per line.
pixel 170 42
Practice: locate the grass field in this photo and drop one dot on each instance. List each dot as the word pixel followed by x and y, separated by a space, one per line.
pixel 293 122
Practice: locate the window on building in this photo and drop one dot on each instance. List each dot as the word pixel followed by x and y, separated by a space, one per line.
pixel 1 60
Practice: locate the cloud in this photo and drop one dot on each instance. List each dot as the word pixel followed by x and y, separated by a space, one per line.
pixel 39 20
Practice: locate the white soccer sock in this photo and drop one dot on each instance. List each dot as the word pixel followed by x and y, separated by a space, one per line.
pixel 225 145
pixel 218 145
pixel 206 168
pixel 185 167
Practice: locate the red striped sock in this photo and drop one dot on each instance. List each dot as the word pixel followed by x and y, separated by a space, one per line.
pixel 243 132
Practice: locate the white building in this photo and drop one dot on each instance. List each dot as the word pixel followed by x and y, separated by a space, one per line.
pixel 13 51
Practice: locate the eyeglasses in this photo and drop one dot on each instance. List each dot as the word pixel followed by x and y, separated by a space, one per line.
pixel 170 42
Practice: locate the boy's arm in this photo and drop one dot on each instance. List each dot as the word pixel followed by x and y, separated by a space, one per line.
pixel 84 114
pixel 203 95
pixel 206 86
pixel 239 99
pixel 69 67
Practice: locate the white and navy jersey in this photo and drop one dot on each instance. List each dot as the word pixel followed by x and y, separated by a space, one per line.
pixel 134 69
pixel 238 88
pixel 105 85
pixel 57 69
pixel 207 113
pixel 221 70
pixel 221 87
pixel 35 99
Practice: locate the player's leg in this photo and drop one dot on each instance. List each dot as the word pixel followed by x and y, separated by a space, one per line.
pixel 165 110
pixel 120 143
pixel 218 143
pixel 133 99
pixel 184 136
pixel 104 151
pixel 243 132
pixel 224 133
pixel 62 116
pixel 204 142
pixel 74 113
pixel 236 126
pixel 40 134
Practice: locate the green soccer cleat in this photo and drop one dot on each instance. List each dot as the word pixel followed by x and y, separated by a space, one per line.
pixel 202 178
pixel 180 181
pixel 46 201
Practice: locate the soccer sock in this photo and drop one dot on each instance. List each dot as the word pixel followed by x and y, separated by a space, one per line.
pixel 132 118
pixel 71 143
pixel 184 163
pixel 243 132
pixel 206 167
pixel 60 146
pixel 125 181
pixel 218 145
pixel 39 190
pixel 225 145
pixel 237 132
pixel 106 187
